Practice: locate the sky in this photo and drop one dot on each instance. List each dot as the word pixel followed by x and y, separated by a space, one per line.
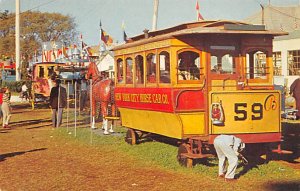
pixel 137 14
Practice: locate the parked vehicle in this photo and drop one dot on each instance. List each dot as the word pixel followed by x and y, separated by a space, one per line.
pixel 195 81
pixel 41 80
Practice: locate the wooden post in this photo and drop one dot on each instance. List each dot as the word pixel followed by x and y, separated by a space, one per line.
pixel 17 40
pixel 155 14
pixel 262 14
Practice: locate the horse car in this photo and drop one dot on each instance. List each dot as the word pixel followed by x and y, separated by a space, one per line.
pixel 41 80
pixel 195 81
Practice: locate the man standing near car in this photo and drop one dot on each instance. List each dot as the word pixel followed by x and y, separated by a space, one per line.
pixel 228 146
pixel 58 100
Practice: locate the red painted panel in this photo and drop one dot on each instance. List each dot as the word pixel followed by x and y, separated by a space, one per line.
pixel 254 138
pixel 160 99
pixel 189 100
pixel 155 99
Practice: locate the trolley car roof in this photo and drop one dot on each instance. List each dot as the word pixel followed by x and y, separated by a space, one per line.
pixel 47 63
pixel 72 69
pixel 199 28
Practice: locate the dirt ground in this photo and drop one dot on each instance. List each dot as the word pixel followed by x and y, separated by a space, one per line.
pixel 34 157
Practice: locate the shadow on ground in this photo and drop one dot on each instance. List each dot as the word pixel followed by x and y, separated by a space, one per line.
pixel 291 141
pixel 30 122
pixel 291 186
pixel 8 155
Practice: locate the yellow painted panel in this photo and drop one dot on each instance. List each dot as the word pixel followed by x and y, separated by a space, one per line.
pixel 167 124
pixel 218 85
pixel 248 111
pixel 193 123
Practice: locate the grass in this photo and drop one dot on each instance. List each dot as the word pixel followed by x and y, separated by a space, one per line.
pixel 163 155
pixel 269 176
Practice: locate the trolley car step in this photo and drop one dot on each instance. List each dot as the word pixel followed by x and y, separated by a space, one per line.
pixel 279 151
pixel 112 118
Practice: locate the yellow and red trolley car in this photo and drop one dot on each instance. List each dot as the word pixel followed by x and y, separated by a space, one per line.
pixel 197 80
pixel 41 79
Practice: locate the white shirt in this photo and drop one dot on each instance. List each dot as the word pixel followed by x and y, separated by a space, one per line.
pixel 24 88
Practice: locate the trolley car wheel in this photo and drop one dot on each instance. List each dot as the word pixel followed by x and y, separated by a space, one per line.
pixel 131 137
pixel 183 160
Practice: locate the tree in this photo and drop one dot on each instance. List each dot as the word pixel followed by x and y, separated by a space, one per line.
pixel 4 15
pixel 35 28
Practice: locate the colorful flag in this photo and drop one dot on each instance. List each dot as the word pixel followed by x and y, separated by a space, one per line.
pixel 84 45
pixel 49 52
pixel 124 33
pixel 103 38
pixel 53 53
pixel 199 16
pixel 124 36
pixel 87 49
pixel 106 38
pixel 46 55
pixel 64 51
pixel 81 41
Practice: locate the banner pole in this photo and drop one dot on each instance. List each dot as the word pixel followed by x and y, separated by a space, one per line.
pixel 79 100
pixel 58 104
pixel 75 109
pixel 91 111
pixel 68 102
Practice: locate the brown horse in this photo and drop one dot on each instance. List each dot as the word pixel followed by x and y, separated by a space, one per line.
pixel 102 90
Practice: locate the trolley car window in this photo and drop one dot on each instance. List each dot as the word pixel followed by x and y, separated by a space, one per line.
pixel 139 63
pixel 151 68
pixel 223 65
pixel 188 66
pixel 129 71
pixel 120 70
pixel 164 67
pixel 50 70
pixel 277 63
pixel 256 65
pixel 41 72
pixel 293 62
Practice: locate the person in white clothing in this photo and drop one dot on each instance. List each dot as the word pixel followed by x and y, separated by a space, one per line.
pixel 24 92
pixel 228 146
pixel 6 109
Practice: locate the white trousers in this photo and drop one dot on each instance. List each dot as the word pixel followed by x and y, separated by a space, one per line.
pixel 224 150
pixel 6 113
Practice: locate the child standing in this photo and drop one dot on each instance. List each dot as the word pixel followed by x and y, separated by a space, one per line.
pixel 6 110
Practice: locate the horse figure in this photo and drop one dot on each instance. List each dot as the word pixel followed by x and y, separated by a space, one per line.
pixel 102 91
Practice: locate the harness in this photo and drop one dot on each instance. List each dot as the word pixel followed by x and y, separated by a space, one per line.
pixel 96 80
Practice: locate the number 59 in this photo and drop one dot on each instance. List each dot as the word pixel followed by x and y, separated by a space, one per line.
pixel 241 110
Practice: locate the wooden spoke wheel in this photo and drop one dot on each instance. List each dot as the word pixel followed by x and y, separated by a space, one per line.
pixel 184 160
pixel 131 137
